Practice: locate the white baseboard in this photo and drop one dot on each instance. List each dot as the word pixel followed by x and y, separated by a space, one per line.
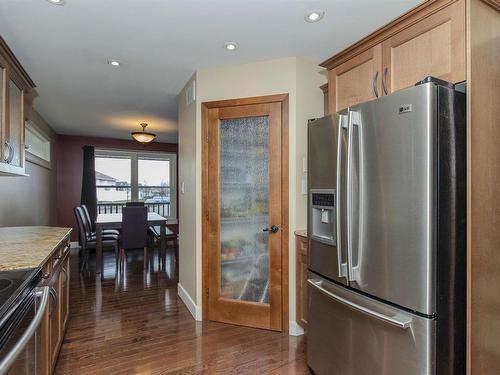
pixel 188 301
pixel 295 329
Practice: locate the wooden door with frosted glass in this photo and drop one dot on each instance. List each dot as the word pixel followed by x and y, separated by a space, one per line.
pixel 243 238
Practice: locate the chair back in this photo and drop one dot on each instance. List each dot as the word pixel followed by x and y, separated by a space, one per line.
pixel 82 230
pixel 87 217
pixel 134 204
pixel 134 227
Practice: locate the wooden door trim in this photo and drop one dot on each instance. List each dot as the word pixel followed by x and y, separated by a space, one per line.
pixel 283 100
pixel 245 101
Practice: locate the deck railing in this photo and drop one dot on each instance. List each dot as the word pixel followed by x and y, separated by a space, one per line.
pixel 162 209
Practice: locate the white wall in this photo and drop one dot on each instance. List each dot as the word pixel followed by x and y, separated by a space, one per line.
pixel 301 80
pixel 189 225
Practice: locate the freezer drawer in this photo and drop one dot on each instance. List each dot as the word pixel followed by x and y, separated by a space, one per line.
pixel 350 334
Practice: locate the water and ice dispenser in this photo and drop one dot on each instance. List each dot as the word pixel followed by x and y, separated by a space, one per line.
pixel 323 216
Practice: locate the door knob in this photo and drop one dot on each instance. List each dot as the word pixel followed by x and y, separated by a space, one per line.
pixel 273 229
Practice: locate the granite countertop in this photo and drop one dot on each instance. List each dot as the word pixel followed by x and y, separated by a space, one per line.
pixel 301 232
pixel 28 247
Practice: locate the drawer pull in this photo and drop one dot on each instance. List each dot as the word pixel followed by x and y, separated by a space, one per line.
pixel 45 275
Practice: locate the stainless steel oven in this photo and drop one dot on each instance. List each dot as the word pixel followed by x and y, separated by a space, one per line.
pixel 21 344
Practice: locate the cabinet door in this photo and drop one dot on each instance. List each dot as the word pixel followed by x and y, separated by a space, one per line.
pixel 55 317
pixel 301 280
pixel 355 81
pixel 434 46
pixel 65 294
pixel 15 133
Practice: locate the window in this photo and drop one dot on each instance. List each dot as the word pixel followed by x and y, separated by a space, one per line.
pixel 123 176
pixel 37 145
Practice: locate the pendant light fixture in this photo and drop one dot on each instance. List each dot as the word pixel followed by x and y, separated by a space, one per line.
pixel 143 137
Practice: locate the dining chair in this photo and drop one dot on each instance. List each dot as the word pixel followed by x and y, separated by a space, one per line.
pixel 154 233
pixel 89 222
pixel 134 204
pixel 88 239
pixel 154 237
pixel 134 231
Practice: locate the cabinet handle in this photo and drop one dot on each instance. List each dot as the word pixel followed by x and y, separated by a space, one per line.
pixel 57 257
pixel 65 275
pixel 374 83
pixel 53 295
pixel 45 275
pixel 66 249
pixel 384 81
pixel 10 148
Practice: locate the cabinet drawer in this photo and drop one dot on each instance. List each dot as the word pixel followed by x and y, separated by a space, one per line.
pixel 53 264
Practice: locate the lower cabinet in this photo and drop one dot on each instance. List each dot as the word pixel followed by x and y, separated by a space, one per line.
pixel 65 293
pixel 301 279
pixel 56 276
pixel 55 317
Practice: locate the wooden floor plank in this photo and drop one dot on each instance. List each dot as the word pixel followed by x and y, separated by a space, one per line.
pixel 136 324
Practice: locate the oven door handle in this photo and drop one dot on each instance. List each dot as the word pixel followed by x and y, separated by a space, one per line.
pixel 10 358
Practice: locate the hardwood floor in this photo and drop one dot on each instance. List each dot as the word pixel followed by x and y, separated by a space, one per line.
pixel 137 324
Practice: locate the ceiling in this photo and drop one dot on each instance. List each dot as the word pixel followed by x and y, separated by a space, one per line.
pixel 161 43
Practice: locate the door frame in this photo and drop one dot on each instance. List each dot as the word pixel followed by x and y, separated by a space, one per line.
pixel 205 106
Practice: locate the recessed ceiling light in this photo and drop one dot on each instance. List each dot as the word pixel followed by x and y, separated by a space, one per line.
pixel 230 46
pixel 314 16
pixel 114 63
pixel 56 2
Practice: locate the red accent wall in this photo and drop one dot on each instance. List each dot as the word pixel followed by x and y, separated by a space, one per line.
pixel 70 170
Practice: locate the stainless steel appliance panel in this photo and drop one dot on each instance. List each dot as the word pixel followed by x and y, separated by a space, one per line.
pixel 392 198
pixel 20 353
pixel 351 334
pixel 326 162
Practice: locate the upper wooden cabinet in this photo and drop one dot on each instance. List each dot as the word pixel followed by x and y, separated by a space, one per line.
pixel 427 41
pixel 435 46
pixel 355 81
pixel 14 85
pixel 324 88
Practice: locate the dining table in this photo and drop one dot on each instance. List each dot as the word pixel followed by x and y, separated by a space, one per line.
pixel 114 221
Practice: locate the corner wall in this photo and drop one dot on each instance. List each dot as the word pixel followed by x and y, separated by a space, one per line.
pixel 297 77
pixel 189 225
pixel 31 200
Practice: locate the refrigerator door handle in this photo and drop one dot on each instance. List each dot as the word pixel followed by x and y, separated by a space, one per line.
pixel 353 193
pixel 338 198
pixel 399 320
pixel 350 276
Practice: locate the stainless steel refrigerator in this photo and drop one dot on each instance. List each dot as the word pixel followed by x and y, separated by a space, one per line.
pixel 386 226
